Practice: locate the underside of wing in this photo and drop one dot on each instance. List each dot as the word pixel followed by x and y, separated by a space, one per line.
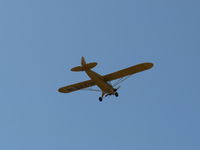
pixel 76 87
pixel 128 71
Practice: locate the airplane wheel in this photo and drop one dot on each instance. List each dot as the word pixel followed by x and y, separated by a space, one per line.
pixel 100 99
pixel 116 94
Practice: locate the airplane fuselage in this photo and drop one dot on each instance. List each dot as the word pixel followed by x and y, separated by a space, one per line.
pixel 98 79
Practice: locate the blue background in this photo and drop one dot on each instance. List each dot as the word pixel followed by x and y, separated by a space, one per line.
pixel 41 40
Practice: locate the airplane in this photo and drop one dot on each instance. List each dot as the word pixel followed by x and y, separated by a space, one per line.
pixel 103 82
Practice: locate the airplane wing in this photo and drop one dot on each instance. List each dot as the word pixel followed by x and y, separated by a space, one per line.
pixel 76 87
pixel 128 71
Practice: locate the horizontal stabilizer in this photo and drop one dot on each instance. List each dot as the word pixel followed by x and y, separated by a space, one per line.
pixel 78 68
pixel 84 67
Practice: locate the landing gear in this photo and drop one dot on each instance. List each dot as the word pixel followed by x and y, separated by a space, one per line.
pixel 116 94
pixel 100 99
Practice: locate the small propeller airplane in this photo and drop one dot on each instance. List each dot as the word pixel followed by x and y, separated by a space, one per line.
pixel 103 82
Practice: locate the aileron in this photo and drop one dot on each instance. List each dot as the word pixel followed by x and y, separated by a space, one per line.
pixel 76 87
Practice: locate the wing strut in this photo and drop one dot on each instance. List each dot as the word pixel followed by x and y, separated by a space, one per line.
pixel 91 89
pixel 121 80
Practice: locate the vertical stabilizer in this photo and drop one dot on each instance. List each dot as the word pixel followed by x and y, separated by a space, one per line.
pixel 83 62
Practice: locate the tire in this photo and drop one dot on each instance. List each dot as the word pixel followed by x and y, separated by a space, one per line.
pixel 116 94
pixel 100 99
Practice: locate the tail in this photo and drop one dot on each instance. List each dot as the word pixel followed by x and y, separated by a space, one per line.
pixel 84 66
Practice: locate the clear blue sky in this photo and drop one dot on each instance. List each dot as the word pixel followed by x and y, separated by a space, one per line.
pixel 40 40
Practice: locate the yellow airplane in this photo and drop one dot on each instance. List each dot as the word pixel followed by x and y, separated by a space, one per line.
pixel 102 81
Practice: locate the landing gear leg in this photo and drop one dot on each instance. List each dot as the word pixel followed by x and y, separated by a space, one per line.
pixel 101 98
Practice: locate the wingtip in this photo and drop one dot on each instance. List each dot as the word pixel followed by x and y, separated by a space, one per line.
pixel 59 90
pixel 149 65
